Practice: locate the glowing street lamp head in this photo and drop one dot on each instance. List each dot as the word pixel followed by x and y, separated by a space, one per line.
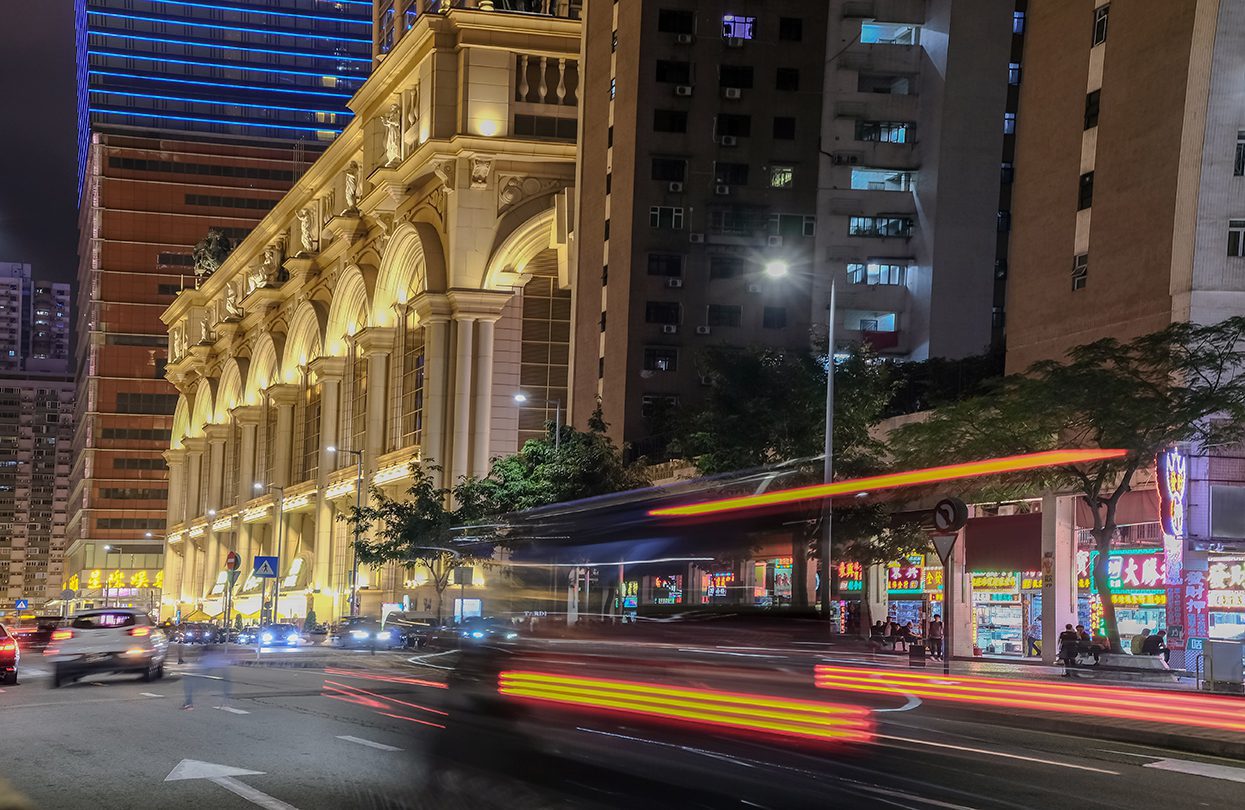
pixel 148 534
pixel 777 269
pixel 520 398
pixel 259 487
pixel 331 449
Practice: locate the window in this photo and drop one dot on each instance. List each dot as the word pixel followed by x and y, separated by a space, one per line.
pixel 657 404
pixel 880 226
pixel 168 289
pixel 774 318
pixel 730 174
pixel 138 463
pixel 1018 22
pixel 545 126
pixel 1080 271
pixel 133 494
pixel 609 134
pixel 1085 192
pixel 859 320
pixel 787 79
pixel 735 26
pixel 724 315
pixel 876 273
pixel 1236 237
pixel 1007 173
pixel 997 317
pixel 735 76
pixel 146 403
pixel 668 121
pixel 736 126
pixel 881 180
pixel 790 29
pixel 872 33
pixel 1100 23
pixel 665 264
pixel 175 259
pixel 883 131
pixel 723 267
pixel 139 434
pixel 1009 123
pixel 609 182
pixel 606 230
pixel 671 170
pixel 784 128
pixel 884 84
pixel 676 21
pixel 674 72
pixel 1004 221
pixel 1091 108
pixel 664 312
pixel 1013 73
pixel 1238 167
pixel 781 176
pixel 217 201
pixel 613 87
pixel 216 170
pixel 660 358
pixel 666 216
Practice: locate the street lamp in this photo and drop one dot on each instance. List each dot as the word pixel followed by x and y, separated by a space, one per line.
pixel 777 268
pixel 557 416
pixel 358 502
pixel 276 582
pixel 108 550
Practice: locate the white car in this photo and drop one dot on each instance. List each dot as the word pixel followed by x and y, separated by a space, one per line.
pixel 107 640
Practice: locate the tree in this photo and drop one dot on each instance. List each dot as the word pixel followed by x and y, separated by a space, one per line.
pixel 419 531
pixel 1181 384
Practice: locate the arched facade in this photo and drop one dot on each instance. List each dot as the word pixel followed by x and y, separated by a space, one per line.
pixel 373 319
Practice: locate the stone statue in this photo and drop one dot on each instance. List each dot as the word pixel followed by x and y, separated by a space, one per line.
pixel 232 310
pixel 271 268
pixel 352 186
pixel 210 253
pixel 205 331
pixel 254 278
pixel 175 348
pixel 480 170
pixel 306 222
pixel 393 135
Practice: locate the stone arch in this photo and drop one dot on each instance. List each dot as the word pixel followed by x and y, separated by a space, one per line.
pixel 414 262
pixel 351 310
pixel 181 423
pixel 264 369
pixel 525 242
pixel 201 409
pixel 305 340
pixel 229 389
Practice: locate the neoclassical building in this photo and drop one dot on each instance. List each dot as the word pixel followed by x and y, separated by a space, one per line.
pixel 391 305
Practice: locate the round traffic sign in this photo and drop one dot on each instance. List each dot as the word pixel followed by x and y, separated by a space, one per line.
pixel 950 515
pixel 232 561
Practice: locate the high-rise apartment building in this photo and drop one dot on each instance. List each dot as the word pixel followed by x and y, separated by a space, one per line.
pixel 743 154
pixel 194 115
pixel 34 321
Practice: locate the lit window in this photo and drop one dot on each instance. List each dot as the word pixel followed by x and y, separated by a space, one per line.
pixel 1236 237
pixel 661 359
pixel 876 273
pixel 1013 73
pixel 1009 123
pixel 1018 22
pixel 1080 271
pixel 781 176
pixel 735 26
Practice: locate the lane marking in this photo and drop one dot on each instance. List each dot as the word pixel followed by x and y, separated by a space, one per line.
pixel 420 660
pixel 1126 753
pixel 1001 754
pixel 911 797
pixel 1199 769
pixel 912 702
pixel 224 776
pixel 232 710
pixel 368 743
pixel 150 694
pixel 198 675
pixel 727 652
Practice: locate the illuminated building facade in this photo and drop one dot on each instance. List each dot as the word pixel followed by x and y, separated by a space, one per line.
pixel 389 307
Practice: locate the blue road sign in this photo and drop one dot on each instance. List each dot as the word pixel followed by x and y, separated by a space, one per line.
pixel 266 567
pixel 22 604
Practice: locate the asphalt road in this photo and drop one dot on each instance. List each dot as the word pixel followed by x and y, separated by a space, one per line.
pixel 369 734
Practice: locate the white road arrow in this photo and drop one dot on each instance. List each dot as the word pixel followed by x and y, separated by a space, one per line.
pixel 223 775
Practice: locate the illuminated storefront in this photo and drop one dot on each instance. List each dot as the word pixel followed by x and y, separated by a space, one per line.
pixel 1225 598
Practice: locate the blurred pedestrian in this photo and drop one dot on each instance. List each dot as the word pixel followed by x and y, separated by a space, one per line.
pixel 935 637
pixel 1138 641
pixel 211 664
pixel 1032 638
pixel 1157 645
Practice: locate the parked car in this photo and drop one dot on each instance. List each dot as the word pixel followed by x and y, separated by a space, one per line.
pixel 368 634
pixel 10 656
pixel 199 633
pixel 36 638
pixel 107 640
pixel 272 635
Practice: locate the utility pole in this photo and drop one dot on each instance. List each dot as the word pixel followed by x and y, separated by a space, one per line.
pixel 827 560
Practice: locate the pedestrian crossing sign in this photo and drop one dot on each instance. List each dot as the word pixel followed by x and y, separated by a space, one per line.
pixel 266 567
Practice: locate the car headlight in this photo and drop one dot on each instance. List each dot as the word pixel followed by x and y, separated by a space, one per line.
pixel 292 637
pixel 477 634
pixel 358 634
pixel 511 636
pixel 383 635
pixel 266 637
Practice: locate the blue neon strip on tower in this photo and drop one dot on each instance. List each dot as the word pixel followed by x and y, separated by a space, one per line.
pixel 229 46
pixel 259 88
pixel 268 12
pixel 219 121
pixel 189 23
pixel 217 102
pixel 230 66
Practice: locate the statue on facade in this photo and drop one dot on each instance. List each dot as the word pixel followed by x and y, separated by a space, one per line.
pixel 352 186
pixel 410 133
pixel 306 225
pixel 393 135
pixel 232 310
pixel 210 253
pixel 176 349
pixel 271 268
pixel 205 331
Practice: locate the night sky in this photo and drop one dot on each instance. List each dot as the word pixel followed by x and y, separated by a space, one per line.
pixel 38 139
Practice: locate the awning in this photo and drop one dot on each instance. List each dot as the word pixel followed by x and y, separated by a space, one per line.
pixel 1137 506
pixel 1004 543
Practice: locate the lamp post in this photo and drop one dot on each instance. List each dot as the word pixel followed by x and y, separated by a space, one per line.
pixel 358 502
pixel 107 551
pixel 557 416
pixel 276 582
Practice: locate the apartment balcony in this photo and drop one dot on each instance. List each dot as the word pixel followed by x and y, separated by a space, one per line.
pixel 869 202
pixel 910 11
pixel 886 297
pixel 878 106
pixel 882 57
pixel 895 342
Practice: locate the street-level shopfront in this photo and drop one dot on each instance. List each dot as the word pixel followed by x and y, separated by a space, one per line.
pixel 765 581
pixel 1225 597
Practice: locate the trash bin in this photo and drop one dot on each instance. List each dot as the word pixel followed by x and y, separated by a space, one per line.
pixel 916 655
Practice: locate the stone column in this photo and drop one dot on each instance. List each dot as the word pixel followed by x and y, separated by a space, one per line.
pixel 217 435
pixel 329 372
pixel 377 344
pixel 211 553
pixel 1058 571
pixel 464 329
pixel 248 418
pixel 176 461
pixel 434 313
pixel 284 397
pixel 483 397
pixel 194 481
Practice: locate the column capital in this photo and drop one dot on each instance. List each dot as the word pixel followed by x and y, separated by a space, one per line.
pixel 432 307
pixel 247 414
pixel 194 444
pixel 216 433
pixel 478 305
pixel 284 393
pixel 174 456
pixel 377 340
pixel 328 368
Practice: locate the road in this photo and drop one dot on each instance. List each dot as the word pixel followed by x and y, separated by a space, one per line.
pixel 368 733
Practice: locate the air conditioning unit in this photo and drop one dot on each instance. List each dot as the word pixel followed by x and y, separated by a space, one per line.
pixel 775 241
pixel 728 140
pixel 696 238
pixel 754 288
pixel 721 190
pixel 684 39
pixel 669 329
pixel 703 330
pixel 734 42
pixel 683 90
pixel 674 283
pixel 677 188
pixel 733 93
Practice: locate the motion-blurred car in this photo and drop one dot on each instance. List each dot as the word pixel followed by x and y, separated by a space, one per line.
pixel 366 634
pixel 199 633
pixel 107 640
pixel 469 631
pixel 272 635
pixel 10 657
pixel 34 639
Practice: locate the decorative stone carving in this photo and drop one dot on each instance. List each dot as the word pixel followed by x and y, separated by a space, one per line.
pixel 514 189
pixel 392 122
pixel 232 310
pixel 410 132
pixel 210 253
pixel 481 168
pixel 306 230
pixel 352 187
pixel 177 345
pixel 444 170
pixel 205 331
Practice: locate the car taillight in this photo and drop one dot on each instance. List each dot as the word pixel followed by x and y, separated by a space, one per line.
pixel 140 631
pixel 8 646
pixel 61 635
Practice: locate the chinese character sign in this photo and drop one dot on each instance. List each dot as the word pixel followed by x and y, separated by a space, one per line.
pixel 904 577
pixel 851 576
pixel 1195 601
pixel 1173 483
pixel 1147 570
pixel 1227 576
